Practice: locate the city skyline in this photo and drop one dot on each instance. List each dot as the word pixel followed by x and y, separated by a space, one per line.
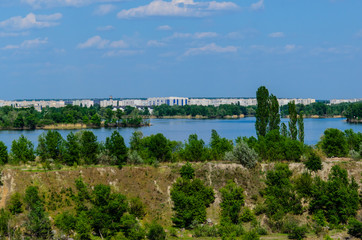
pixel 67 49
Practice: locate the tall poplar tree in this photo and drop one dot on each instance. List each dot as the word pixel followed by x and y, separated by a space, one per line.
pixel 293 120
pixel 284 130
pixel 274 116
pixel 262 111
pixel 301 127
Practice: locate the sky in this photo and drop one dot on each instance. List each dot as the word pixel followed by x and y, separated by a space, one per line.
pixel 186 48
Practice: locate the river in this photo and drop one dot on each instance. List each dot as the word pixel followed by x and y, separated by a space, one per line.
pixel 180 129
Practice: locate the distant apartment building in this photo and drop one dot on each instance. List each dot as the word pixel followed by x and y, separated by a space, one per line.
pixel 38 105
pixel 304 101
pixel 132 103
pixel 83 103
pixel 338 101
pixel 171 101
pixel 219 101
pixel 107 103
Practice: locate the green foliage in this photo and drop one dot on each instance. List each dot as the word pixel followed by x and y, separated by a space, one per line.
pixel 355 228
pixel 337 198
pixel 301 127
pixel 156 232
pixel 298 233
pixel 5 217
pixel 280 195
pixel 117 148
pixel 354 112
pixel 304 184
pixel 314 162
pixel 71 150
pixel 155 147
pixel 22 150
pixel 204 230
pixel 247 215
pixel 50 146
pixel 195 149
pixel 251 235
pixel 334 143
pixel 292 120
pixel 89 147
pixel 191 198
pixel 219 146
pixel 262 111
pixel 284 130
pixel 4 157
pixel 38 225
pixel 187 171
pixel 274 116
pixel 66 222
pixel 131 228
pixel 232 199
pixel 137 208
pixel 244 154
pixel 83 227
pixel 230 231
pixel 15 204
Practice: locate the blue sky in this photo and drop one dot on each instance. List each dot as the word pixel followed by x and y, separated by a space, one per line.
pixel 192 48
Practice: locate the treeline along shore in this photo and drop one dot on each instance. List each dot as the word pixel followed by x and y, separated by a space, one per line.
pixel 76 117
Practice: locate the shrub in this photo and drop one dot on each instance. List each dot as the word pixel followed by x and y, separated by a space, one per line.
pixel 244 154
pixel 137 208
pixel 298 233
pixel 251 235
pixel 187 172
pixel 66 222
pixel 4 157
pixel 247 215
pixel 314 162
pixel 334 143
pixel 15 204
pixel 134 158
pixel 227 230
pixel 232 199
pixel 355 228
pixel 205 231
pixel 156 232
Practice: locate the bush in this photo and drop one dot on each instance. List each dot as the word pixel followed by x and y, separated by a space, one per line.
pixel 244 154
pixel 187 172
pixel 137 208
pixel 298 233
pixel 156 232
pixel 232 199
pixel 247 215
pixel 66 222
pixel 252 235
pixel 15 204
pixel 355 228
pixel 334 143
pixel 134 158
pixel 314 162
pixel 234 230
pixel 205 231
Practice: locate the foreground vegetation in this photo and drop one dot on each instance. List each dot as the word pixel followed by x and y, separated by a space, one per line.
pixel 279 200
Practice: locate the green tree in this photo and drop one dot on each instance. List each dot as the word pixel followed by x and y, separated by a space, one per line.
pixel 219 146
pixel 187 171
pixel 232 199
pixel 314 162
pixel 337 199
pixel 280 195
pixel 262 111
pixel 71 150
pixel 117 148
pixel 334 143
pixel 301 127
pixel 195 149
pixel 157 147
pixel 156 232
pixel 4 156
pixel 22 150
pixel 51 146
pixel 274 116
pixel 284 130
pixel 15 205
pixel 355 228
pixel 66 222
pixel 38 224
pixel 89 147
pixel 293 120
pixel 191 198
pixel 83 227
pixel 96 120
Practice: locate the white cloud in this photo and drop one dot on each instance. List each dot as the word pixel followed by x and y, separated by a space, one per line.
pixel 164 28
pixel 205 35
pixel 235 35
pixel 100 43
pixel 28 44
pixel 178 8
pixel 13 34
pixel 105 28
pixel 115 53
pixel 155 43
pixel 289 47
pixel 276 50
pixel 210 48
pixel 104 9
pixel 257 6
pixel 31 21
pixel 57 3
pixel 276 35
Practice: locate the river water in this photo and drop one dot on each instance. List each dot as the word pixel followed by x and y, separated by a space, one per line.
pixel 180 129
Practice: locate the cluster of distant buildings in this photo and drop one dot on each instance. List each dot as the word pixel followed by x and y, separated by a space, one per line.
pixel 157 101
